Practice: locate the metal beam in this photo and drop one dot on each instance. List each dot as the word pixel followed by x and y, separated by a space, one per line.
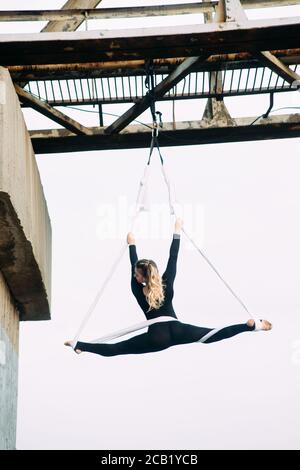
pixel 75 12
pixel 235 12
pixel 242 60
pixel 186 133
pixel 134 44
pixel 160 90
pixel 215 109
pixel 248 4
pixel 107 13
pixel 55 26
pixel 173 97
pixel 277 66
pixel 70 25
pixel 50 112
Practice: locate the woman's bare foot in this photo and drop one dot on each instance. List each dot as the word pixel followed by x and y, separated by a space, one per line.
pixel 69 343
pixel 266 325
pixel 260 324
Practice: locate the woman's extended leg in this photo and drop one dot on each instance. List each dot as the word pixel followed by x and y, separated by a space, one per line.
pixel 229 331
pixel 156 339
pixel 163 335
pixel 183 333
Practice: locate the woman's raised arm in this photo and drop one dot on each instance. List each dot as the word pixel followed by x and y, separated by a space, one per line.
pixel 132 251
pixel 171 268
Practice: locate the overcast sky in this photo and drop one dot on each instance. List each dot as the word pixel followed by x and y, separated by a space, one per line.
pixel 241 203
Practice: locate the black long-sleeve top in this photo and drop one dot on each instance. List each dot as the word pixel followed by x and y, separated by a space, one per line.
pixel 168 277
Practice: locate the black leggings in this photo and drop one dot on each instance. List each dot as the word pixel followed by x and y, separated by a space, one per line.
pixel 162 336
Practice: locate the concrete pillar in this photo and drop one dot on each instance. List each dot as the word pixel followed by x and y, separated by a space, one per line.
pixel 25 249
pixel 9 339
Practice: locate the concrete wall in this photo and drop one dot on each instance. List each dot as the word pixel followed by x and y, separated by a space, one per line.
pixel 25 249
pixel 25 229
pixel 9 340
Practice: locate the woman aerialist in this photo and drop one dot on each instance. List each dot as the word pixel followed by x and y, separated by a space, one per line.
pixel 154 294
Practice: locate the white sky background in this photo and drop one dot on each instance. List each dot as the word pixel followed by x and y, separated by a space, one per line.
pixel 242 207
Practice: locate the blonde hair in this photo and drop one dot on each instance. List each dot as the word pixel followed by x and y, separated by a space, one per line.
pixel 155 295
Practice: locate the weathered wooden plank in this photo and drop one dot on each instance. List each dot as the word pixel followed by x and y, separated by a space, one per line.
pixel 134 44
pixel 186 133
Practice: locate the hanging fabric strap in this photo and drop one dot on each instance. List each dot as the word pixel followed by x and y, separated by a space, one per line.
pixel 131 329
pixel 141 201
pixel 218 274
pixel 140 205
pixel 173 204
pixel 171 192
pixel 210 334
pixel 150 85
pixel 97 298
pixel 142 197
pixel 154 143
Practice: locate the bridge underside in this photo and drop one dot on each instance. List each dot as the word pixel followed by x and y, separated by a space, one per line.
pixel 225 55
